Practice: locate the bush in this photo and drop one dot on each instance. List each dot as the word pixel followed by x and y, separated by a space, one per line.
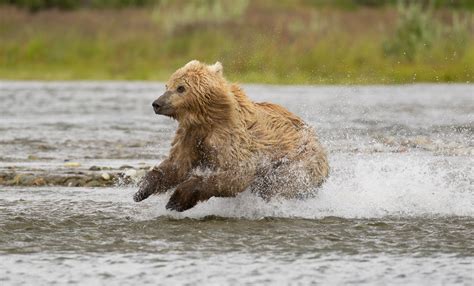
pixel 36 5
pixel 416 31
pixel 187 13
pixel 457 36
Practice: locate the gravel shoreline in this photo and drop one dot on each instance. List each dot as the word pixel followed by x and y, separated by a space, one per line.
pixel 95 176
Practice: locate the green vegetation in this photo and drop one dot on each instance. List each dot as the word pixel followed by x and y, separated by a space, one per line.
pixel 417 33
pixel 36 5
pixel 312 42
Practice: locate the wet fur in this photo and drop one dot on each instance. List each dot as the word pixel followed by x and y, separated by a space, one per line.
pixel 238 143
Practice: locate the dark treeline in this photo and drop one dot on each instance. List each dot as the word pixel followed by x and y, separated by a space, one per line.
pixel 35 5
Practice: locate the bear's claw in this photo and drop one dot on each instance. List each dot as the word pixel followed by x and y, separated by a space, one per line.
pixel 182 200
pixel 139 196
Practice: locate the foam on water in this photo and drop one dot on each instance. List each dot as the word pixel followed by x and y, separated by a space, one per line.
pixel 359 187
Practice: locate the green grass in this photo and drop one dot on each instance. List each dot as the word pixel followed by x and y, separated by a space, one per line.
pixel 300 45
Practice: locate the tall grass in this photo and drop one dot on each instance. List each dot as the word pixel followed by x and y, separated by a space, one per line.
pixel 256 41
pixel 418 32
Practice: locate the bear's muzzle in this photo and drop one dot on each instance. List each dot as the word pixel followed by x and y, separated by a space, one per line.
pixel 162 105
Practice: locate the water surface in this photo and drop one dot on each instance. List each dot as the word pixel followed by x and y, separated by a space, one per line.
pixel 398 207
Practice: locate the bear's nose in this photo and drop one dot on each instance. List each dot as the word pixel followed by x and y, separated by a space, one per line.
pixel 155 105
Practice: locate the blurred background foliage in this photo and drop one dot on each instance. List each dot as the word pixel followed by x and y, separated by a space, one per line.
pixel 286 41
pixel 35 5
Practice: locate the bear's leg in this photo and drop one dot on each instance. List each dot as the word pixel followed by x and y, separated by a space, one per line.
pixel 288 180
pixel 158 180
pixel 291 178
pixel 196 189
pixel 273 179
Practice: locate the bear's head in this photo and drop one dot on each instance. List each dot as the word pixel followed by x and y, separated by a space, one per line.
pixel 196 94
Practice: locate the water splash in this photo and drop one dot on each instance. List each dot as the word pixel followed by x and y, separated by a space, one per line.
pixel 361 186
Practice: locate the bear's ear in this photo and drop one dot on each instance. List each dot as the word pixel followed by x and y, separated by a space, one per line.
pixel 192 63
pixel 217 68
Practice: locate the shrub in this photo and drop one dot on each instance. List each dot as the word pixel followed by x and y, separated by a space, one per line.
pixel 185 13
pixel 36 5
pixel 415 33
pixel 418 32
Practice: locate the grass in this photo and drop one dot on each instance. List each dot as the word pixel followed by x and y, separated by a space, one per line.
pixel 262 43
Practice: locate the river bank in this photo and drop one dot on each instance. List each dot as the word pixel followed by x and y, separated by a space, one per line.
pixel 262 43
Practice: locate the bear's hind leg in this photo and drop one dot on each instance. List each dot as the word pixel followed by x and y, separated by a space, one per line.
pixel 289 179
pixel 220 184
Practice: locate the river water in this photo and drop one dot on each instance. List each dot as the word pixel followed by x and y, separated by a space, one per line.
pixel 397 209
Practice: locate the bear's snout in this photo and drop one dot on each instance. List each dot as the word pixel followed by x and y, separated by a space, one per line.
pixel 162 105
pixel 156 106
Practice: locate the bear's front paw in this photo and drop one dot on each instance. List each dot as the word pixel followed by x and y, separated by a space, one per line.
pixel 148 185
pixel 183 199
pixel 139 196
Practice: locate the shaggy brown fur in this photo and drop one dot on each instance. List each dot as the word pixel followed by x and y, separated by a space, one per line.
pixel 226 143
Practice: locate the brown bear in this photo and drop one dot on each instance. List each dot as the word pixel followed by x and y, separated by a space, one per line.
pixel 225 143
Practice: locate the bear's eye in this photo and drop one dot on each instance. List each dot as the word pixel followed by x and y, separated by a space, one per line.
pixel 180 89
